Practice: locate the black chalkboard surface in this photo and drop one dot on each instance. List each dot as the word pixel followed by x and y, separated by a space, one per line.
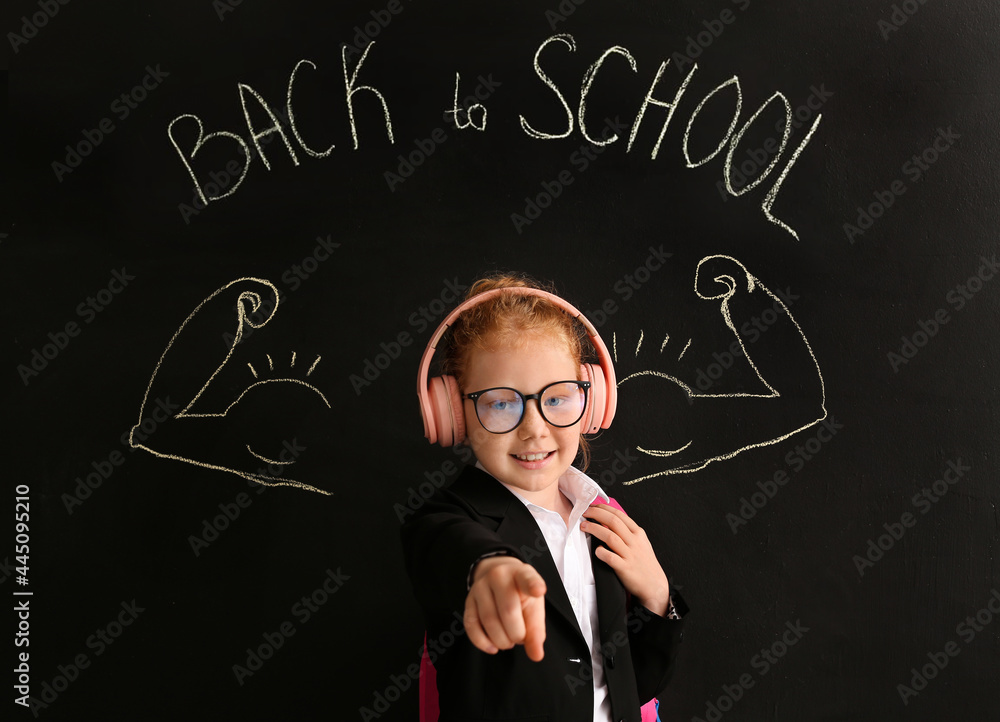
pixel 229 230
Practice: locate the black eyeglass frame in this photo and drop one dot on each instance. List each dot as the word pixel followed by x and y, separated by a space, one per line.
pixel 525 398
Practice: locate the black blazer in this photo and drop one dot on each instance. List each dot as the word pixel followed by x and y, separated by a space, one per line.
pixel 477 515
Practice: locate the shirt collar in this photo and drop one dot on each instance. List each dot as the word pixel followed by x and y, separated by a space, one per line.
pixel 576 485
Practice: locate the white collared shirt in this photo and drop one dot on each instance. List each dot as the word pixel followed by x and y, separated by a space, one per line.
pixel 570 548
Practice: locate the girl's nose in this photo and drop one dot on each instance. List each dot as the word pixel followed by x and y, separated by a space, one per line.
pixel 532 424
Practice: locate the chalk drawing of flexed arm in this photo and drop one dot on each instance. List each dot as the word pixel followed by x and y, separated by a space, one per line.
pixel 786 393
pixel 239 413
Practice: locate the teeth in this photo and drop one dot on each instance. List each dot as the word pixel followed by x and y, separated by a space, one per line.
pixel 531 457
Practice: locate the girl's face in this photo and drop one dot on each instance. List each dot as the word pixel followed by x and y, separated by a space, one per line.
pixel 535 361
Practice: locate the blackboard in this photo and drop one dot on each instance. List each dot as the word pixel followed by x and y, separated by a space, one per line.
pixel 796 275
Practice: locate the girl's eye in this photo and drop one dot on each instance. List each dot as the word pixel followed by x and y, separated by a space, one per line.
pixel 500 402
pixel 554 401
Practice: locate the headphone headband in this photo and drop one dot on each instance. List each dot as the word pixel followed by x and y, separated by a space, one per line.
pixel 426 407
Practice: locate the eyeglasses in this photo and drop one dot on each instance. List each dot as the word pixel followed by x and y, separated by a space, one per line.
pixel 501 409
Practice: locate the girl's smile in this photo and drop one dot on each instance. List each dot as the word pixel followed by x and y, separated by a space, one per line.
pixel 533 456
pixel 535 460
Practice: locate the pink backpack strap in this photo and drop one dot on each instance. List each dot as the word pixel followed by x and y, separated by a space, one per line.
pixel 615 504
pixel 650 711
pixel 429 711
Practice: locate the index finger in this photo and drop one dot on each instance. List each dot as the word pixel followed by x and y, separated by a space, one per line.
pixel 534 628
pixel 532 588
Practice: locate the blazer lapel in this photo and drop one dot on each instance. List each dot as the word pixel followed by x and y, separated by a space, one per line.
pixel 521 530
pixel 517 527
pixel 610 592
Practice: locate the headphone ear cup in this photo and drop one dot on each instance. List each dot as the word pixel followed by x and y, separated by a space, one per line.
pixel 457 409
pixel 446 405
pixel 597 398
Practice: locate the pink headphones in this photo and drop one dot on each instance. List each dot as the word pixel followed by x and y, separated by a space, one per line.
pixel 441 399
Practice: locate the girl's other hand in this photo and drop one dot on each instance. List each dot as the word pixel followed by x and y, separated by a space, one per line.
pixel 630 554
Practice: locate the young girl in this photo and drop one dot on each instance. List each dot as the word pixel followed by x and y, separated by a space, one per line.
pixel 566 613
